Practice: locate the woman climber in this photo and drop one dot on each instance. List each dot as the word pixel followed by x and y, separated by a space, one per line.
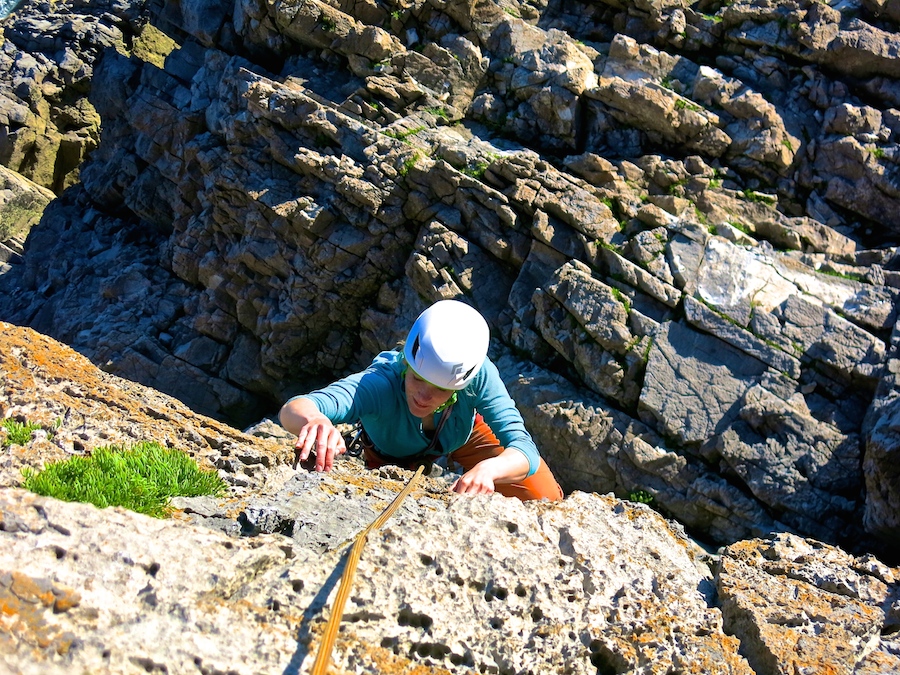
pixel 440 395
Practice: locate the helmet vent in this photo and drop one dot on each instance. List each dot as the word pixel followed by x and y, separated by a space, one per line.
pixel 415 347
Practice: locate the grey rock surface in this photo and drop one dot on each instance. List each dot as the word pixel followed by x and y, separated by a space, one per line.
pixel 245 582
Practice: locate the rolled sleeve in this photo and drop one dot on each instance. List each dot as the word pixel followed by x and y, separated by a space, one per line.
pixel 501 415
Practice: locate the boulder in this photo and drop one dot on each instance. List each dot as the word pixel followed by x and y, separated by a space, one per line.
pixel 21 204
pixel 838 606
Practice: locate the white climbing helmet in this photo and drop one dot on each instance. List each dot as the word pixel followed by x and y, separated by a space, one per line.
pixel 447 344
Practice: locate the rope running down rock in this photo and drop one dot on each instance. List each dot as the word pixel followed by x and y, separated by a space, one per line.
pixel 324 655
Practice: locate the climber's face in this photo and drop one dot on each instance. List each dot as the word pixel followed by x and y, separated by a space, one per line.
pixel 422 397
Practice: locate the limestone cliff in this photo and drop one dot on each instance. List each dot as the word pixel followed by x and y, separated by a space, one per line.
pixel 243 584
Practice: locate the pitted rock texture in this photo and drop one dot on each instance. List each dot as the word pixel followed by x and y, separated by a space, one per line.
pixel 848 605
pixel 449 585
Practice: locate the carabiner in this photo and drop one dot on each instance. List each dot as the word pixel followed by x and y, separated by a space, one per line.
pixel 355 446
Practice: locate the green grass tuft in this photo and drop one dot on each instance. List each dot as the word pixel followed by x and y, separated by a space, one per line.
pixel 18 433
pixel 142 478
pixel 438 112
pixel 476 171
pixel 852 276
pixel 403 135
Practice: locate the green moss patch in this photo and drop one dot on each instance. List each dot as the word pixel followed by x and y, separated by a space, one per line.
pixel 143 478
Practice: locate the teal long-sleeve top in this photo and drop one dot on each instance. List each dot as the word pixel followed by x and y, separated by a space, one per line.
pixel 376 396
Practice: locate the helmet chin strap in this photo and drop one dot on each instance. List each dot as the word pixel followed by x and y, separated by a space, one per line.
pixel 446 404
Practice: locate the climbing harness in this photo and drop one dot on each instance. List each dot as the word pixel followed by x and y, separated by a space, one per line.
pixel 334 621
pixel 360 441
pixel 357 443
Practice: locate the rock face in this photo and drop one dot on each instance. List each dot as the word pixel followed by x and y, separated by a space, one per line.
pixel 48 52
pixel 847 602
pixel 21 204
pixel 679 225
pixel 244 583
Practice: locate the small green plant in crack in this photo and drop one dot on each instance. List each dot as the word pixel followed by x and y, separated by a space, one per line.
pixel 437 112
pixel 792 26
pixel 701 217
pixel 646 355
pixel 722 315
pixel 878 153
pixel 759 197
pixel 142 478
pixel 741 227
pixel 676 189
pixel 512 12
pixel 682 104
pixel 18 433
pixel 409 163
pixel 851 276
pixel 715 183
pixel 403 135
pixel 324 141
pixel 641 497
pixel 632 344
pixel 622 298
pixel 476 170
pixel 327 23
pixel 609 246
pixel 771 343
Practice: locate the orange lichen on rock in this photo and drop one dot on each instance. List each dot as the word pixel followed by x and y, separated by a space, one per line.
pixel 81 407
pixel 798 627
pixel 25 603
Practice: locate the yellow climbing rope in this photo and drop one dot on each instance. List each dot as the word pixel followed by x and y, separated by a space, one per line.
pixel 334 621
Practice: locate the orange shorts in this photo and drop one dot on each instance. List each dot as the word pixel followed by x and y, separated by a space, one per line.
pixel 481 445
